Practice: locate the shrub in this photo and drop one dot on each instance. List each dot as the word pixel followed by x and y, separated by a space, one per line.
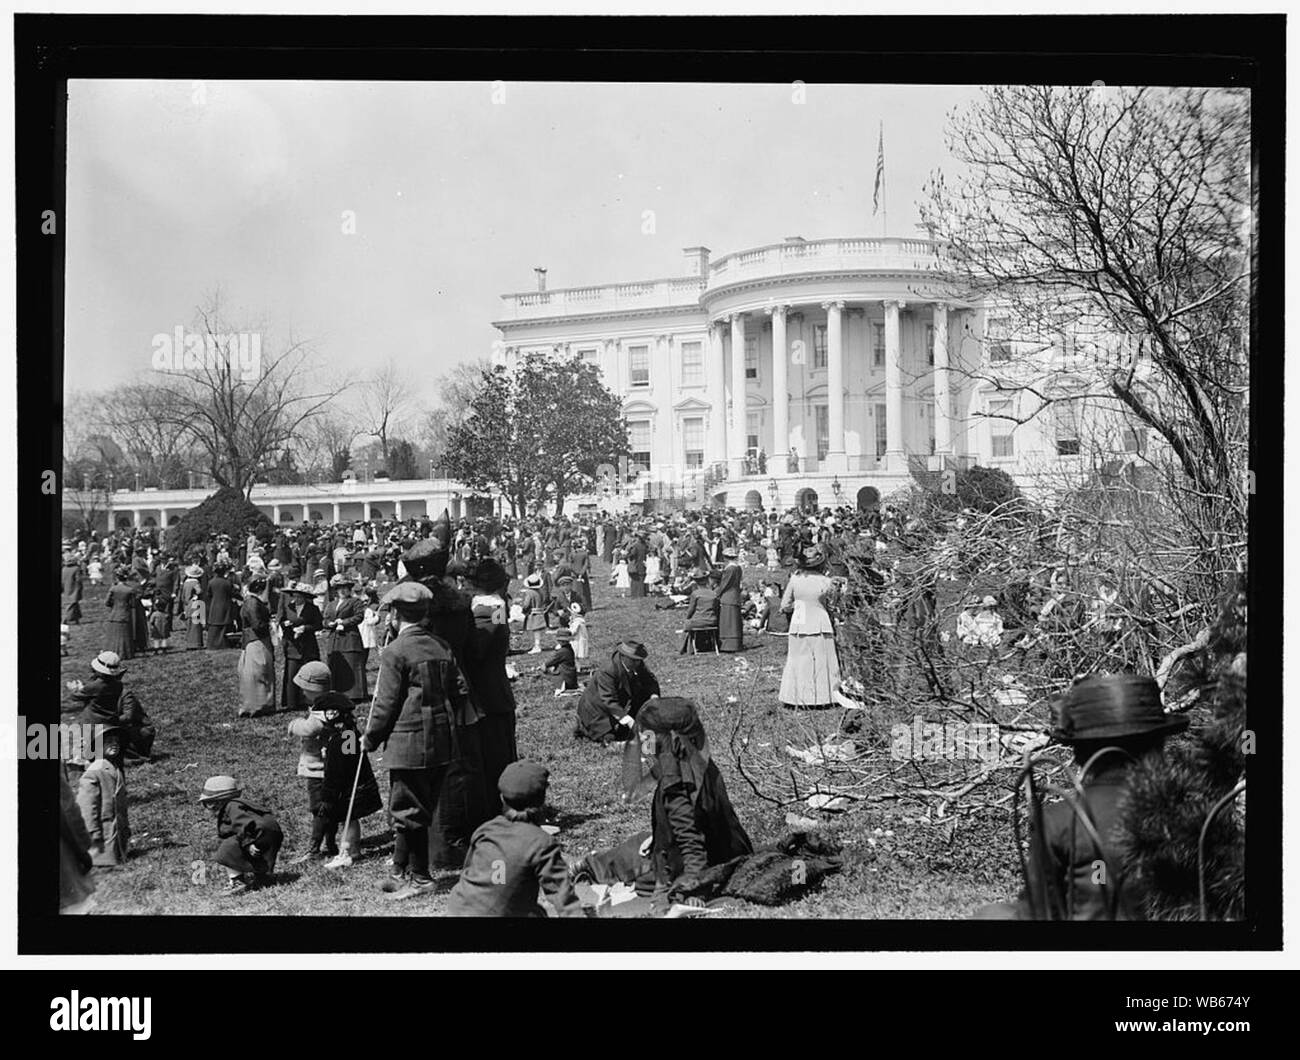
pixel 227 511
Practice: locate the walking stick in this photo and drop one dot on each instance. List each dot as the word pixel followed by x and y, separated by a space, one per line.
pixel 356 778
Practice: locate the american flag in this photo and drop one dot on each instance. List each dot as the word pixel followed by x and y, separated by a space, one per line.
pixel 880 171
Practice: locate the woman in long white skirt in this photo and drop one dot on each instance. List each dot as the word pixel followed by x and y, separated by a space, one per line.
pixel 812 666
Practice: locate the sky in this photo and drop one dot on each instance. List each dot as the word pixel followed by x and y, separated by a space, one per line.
pixel 456 191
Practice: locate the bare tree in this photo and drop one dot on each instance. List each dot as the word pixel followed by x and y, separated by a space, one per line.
pixel 456 389
pixel 382 399
pixel 1119 217
pixel 241 411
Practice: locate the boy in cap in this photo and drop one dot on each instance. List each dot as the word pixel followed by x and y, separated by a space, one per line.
pixel 511 859
pixel 102 798
pixel 250 835
pixel 420 694
pixel 330 744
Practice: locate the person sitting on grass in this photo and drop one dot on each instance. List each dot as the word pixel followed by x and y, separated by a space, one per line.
pixel 250 835
pixel 563 663
pixel 511 859
pixel 693 825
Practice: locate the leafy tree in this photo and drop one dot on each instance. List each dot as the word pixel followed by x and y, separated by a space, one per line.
pixel 227 511
pixel 538 433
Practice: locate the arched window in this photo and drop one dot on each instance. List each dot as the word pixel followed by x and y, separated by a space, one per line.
pixel 868 498
pixel 753 499
pixel 806 499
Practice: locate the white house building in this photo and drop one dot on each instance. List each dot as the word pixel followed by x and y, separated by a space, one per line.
pixel 800 372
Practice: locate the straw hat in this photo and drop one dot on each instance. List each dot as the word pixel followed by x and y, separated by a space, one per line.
pixel 108 663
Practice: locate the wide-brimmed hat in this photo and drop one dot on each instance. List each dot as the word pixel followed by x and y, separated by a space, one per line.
pixel 342 579
pixel 218 788
pixel 730 553
pixel 489 574
pixel 301 588
pixel 812 558
pixel 273 565
pixel 533 580
pixel 108 663
pixel 1111 707
pixel 633 649
pixel 194 571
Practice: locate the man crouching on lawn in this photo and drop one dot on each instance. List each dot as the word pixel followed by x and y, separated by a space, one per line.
pixel 419 694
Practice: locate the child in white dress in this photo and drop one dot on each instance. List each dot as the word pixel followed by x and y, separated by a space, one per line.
pixel 622 580
pixel 578 627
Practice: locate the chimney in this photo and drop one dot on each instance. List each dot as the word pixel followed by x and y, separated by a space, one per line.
pixel 795 239
pixel 541 278
pixel 697 261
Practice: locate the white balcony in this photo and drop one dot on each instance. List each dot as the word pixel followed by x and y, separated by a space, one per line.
pixel 825 256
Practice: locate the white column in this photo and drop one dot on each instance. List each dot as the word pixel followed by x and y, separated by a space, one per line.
pixel 397 510
pixel 336 511
pixel 717 394
pixel 895 458
pixel 162 518
pixel 365 511
pixel 835 459
pixel 306 513
pixel 736 444
pixel 135 516
pixel 780 391
pixel 942 397
pixel 275 514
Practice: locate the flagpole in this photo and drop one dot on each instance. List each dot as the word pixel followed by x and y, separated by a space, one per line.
pixel 884 188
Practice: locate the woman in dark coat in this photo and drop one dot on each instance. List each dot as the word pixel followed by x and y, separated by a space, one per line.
pixel 299 618
pixel 485 669
pixel 344 651
pixel 692 823
pixel 731 630
pixel 122 603
pixel 616 692
pixel 581 566
pixel 71 589
pixel 257 660
pixel 221 608
pixel 636 553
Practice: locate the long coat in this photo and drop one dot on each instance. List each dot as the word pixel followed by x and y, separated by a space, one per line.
pixel 297 650
pixel 72 592
pixel 221 610
pixel 243 826
pixel 730 627
pixel 122 605
pixel 102 798
pixel 344 650
pixel 612 692
pixel 691 833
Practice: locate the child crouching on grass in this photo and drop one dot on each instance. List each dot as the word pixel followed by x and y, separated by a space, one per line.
pixel 328 761
pixel 250 835
pixel 511 859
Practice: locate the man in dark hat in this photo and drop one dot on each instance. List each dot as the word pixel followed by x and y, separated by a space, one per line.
pixel 1075 865
pixel 419 695
pixel 615 692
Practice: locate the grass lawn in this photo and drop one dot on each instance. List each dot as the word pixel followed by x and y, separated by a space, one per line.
pixel 922 869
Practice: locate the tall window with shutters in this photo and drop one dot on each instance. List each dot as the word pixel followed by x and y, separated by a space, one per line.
pixel 1001 437
pixel 693 441
pixel 638 433
pixel 819 346
pixel 751 357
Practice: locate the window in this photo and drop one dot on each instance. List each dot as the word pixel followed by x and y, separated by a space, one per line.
pixel 1003 441
pixel 877 345
pixel 819 346
pixel 751 358
pixel 639 365
pixel 823 431
pixel 927 414
pixel 929 345
pixel 882 431
pixel 1134 440
pixel 998 343
pixel 638 433
pixel 588 355
pixel 753 425
pixel 693 440
pixel 1066 416
pixel 692 364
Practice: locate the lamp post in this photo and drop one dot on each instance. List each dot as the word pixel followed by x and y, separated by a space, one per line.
pixel 837 488
pixel 775 490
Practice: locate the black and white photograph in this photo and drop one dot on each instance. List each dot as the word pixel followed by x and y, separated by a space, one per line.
pixel 521 491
